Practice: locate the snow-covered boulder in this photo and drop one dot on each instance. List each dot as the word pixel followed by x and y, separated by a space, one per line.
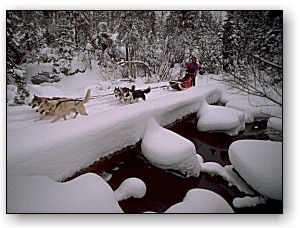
pixel 219 118
pixel 260 164
pixel 88 193
pixel 201 201
pixel 168 150
pixel 131 187
pixel 275 128
pixel 254 108
pixel 248 201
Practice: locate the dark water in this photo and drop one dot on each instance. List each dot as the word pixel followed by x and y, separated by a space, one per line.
pixel 166 188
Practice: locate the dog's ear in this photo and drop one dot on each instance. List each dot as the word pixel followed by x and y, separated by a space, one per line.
pixel 34 96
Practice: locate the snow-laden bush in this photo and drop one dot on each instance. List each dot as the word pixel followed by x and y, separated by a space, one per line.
pixel 12 92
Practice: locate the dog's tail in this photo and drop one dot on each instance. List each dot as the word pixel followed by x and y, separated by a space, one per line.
pixel 147 90
pixel 87 96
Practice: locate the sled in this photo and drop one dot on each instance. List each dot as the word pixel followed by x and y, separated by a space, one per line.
pixel 182 84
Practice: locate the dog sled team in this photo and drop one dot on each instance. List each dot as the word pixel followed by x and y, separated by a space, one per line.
pixel 60 107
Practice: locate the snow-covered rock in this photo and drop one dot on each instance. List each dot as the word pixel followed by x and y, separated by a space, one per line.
pixel 88 193
pixel 168 150
pixel 260 164
pixel 275 128
pixel 212 168
pixel 227 174
pixel 201 201
pixel 248 201
pixel 219 118
pixel 254 108
pixel 131 187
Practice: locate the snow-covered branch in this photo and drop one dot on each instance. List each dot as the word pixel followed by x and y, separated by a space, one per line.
pixel 265 61
pixel 136 62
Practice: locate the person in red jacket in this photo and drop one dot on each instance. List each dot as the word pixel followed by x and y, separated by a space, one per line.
pixel 192 68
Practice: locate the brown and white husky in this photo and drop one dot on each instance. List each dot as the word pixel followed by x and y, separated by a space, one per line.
pixel 61 108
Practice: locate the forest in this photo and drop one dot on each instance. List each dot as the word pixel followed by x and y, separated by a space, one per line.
pixel 245 46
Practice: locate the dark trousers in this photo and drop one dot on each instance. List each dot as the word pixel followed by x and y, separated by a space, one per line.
pixel 194 80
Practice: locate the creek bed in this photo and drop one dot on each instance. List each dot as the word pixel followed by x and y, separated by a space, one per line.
pixel 165 188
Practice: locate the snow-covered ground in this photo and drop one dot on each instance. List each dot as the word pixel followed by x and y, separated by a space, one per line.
pixel 39 150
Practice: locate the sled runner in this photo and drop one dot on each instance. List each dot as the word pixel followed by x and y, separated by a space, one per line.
pixel 183 83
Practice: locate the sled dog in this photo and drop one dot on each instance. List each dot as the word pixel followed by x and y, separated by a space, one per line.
pixel 37 101
pixel 120 93
pixel 61 108
pixel 134 95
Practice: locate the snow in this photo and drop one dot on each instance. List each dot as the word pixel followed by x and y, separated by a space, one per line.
pixel 39 153
pixel 248 201
pixel 227 174
pixel 255 108
pixel 19 73
pixel 12 92
pixel 275 128
pixel 168 150
pixel 88 193
pixel 260 164
pixel 219 118
pixel 58 150
pixel 131 187
pixel 201 201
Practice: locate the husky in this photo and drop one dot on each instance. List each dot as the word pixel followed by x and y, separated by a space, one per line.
pixel 37 101
pixel 134 95
pixel 61 108
pixel 120 93
pixel 47 106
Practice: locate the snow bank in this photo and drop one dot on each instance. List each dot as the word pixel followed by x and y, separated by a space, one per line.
pixel 219 118
pixel 88 193
pixel 131 187
pixel 275 128
pixel 45 91
pixel 254 108
pixel 201 201
pixel 260 164
pixel 168 150
pixel 58 150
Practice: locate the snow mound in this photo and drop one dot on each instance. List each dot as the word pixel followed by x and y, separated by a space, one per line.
pixel 219 118
pixel 88 193
pixel 168 150
pixel 248 201
pixel 131 187
pixel 260 164
pixel 275 128
pixel 201 201
pixel 254 108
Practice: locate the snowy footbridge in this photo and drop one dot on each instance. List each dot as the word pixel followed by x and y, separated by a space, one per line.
pixel 34 148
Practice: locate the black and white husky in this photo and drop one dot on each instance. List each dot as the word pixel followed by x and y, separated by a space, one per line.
pixel 125 94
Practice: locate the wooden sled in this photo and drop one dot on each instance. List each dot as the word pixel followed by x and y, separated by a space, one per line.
pixel 182 84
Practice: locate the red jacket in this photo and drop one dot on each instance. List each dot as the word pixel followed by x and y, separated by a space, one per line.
pixel 192 67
